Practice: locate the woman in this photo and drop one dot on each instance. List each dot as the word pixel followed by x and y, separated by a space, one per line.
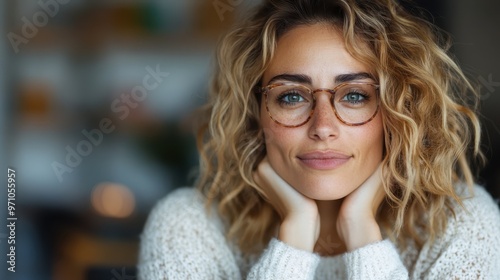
pixel 336 145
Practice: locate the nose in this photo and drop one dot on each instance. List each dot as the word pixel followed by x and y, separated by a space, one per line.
pixel 324 123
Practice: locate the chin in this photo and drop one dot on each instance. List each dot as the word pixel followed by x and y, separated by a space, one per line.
pixel 324 189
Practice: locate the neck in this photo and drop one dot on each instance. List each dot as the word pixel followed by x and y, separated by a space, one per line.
pixel 328 210
pixel 329 242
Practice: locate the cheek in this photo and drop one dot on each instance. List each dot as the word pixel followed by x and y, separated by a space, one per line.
pixel 272 132
pixel 372 145
pixel 280 141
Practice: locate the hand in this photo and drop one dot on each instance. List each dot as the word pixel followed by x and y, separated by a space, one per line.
pixel 299 215
pixel 356 222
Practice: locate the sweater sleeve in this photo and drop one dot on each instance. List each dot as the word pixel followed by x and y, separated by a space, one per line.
pixel 470 248
pixel 378 261
pixel 281 261
pixel 179 241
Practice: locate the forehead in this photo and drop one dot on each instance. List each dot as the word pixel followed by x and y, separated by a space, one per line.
pixel 316 50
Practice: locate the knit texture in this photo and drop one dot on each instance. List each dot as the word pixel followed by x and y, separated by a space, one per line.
pixel 181 241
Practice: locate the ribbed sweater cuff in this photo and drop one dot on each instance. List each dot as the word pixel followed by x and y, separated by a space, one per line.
pixel 281 261
pixel 378 260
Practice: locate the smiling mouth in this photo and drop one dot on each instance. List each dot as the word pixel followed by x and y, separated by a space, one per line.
pixel 323 160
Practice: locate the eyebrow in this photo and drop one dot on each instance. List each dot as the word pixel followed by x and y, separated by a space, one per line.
pixel 298 78
pixel 304 79
pixel 353 77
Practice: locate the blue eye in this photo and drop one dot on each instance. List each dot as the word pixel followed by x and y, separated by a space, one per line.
pixel 291 98
pixel 355 97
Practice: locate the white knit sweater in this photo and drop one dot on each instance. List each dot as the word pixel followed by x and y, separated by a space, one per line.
pixel 180 241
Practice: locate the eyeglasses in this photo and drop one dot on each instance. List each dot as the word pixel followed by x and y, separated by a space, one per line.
pixel 292 105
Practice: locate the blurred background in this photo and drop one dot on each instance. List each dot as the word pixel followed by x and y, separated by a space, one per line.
pixel 95 104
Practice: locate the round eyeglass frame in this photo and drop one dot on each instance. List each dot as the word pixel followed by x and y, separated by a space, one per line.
pixel 332 92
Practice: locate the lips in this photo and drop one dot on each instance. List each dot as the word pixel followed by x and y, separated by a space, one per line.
pixel 323 160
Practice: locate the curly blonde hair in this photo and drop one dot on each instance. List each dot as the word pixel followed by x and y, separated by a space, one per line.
pixel 428 106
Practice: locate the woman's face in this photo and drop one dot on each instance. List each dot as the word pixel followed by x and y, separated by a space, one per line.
pixel 324 159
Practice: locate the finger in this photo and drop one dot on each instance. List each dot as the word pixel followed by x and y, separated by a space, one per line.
pixel 377 189
pixel 259 182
